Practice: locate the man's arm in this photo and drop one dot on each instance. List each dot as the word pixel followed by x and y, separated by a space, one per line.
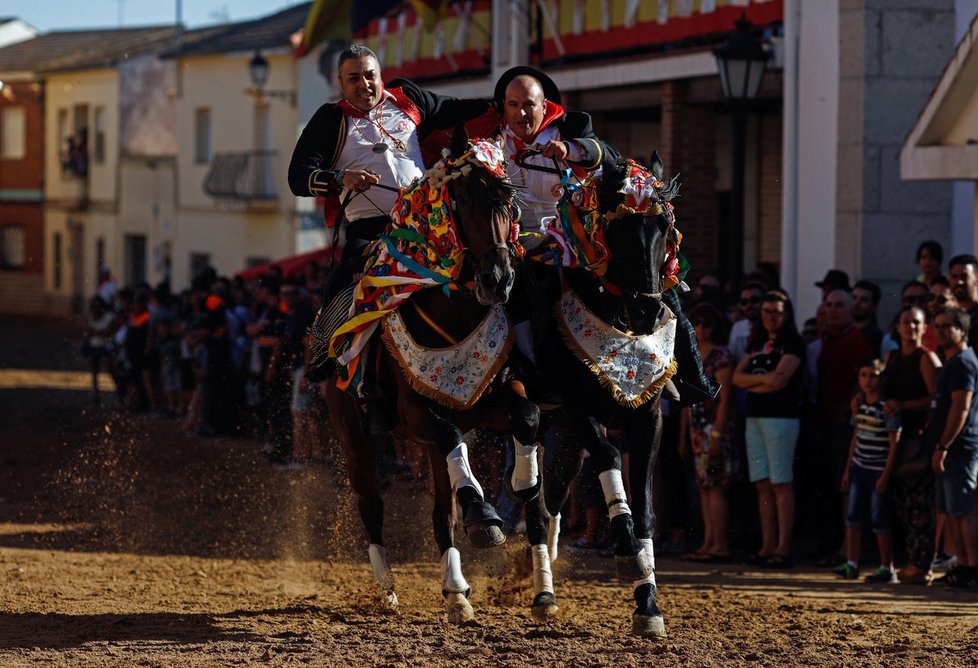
pixel 589 150
pixel 440 112
pixel 957 416
pixel 311 170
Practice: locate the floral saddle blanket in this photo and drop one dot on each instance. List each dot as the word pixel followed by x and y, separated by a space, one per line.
pixel 633 368
pixel 455 376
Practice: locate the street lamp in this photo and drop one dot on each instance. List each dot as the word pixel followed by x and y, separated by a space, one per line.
pixel 258 70
pixel 741 61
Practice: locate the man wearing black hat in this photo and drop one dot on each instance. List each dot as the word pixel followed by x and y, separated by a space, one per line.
pixel 531 116
pixel 835 279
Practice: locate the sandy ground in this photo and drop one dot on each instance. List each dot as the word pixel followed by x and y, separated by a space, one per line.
pixel 126 543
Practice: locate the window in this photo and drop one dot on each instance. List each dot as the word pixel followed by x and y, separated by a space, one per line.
pixel 135 258
pixel 203 139
pixel 12 244
pixel 12 139
pixel 63 134
pixel 98 148
pixel 59 249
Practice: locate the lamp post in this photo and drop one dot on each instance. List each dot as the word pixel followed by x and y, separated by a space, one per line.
pixel 741 61
pixel 258 71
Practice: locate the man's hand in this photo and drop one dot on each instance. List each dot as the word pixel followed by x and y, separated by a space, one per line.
pixel 845 481
pixel 937 461
pixel 359 180
pixel 553 149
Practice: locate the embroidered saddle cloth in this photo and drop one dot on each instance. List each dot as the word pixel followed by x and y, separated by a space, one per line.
pixel 633 368
pixel 456 376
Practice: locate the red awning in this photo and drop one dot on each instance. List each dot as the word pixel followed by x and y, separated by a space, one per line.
pixel 289 265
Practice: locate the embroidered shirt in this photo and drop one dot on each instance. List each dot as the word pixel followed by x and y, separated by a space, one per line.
pixel 396 168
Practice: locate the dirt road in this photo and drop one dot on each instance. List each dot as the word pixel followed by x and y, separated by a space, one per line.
pixel 124 542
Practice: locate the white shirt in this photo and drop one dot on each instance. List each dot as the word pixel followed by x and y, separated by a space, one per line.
pixel 538 201
pixel 396 168
pixel 739 335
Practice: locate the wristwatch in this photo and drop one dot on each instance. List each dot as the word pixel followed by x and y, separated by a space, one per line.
pixel 943 448
pixel 338 176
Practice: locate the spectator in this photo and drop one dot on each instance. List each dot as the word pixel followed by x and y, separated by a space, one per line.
pixel 930 256
pixel 709 428
pixel 843 347
pixel 941 296
pixel 865 302
pixel 106 288
pixel 771 373
pixel 953 429
pixel 749 310
pixel 835 279
pixel 97 346
pixel 964 282
pixel 872 454
pixel 908 383
pixel 913 293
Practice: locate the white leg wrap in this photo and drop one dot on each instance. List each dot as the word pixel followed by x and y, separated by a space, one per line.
pixel 543 577
pixel 553 535
pixel 452 580
pixel 646 560
pixel 459 471
pixel 381 567
pixel 614 493
pixel 524 339
pixel 525 470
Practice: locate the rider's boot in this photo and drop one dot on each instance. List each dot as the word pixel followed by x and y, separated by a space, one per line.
pixel 690 380
pixel 377 416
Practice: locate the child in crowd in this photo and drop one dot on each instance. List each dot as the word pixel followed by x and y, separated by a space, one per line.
pixel 872 454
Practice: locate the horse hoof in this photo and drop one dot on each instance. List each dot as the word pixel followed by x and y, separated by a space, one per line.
pixel 483 525
pixel 545 606
pixel 649 626
pixel 485 535
pixel 459 609
pixel 389 602
pixel 630 568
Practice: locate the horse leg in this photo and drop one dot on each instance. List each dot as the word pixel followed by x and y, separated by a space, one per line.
pixel 523 480
pixel 632 562
pixel 644 432
pixel 482 524
pixel 454 588
pixel 565 465
pixel 361 463
pixel 544 600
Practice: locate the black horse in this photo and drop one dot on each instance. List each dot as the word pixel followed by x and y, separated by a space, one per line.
pixel 622 305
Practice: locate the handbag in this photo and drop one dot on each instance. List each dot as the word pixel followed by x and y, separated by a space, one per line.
pixel 913 458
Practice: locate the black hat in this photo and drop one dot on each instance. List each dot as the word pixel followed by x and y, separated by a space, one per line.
pixel 835 278
pixel 550 90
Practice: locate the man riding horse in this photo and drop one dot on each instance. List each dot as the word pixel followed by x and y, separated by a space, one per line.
pixel 371 137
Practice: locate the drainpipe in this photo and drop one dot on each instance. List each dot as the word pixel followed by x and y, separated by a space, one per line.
pixel 789 192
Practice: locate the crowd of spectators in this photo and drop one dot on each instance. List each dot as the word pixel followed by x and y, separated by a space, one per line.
pixel 845 427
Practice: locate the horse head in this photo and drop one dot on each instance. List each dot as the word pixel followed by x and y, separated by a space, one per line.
pixel 482 199
pixel 640 233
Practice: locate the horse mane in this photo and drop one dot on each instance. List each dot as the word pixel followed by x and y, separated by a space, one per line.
pixel 609 186
pixel 495 193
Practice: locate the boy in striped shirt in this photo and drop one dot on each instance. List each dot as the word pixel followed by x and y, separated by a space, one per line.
pixel 872 454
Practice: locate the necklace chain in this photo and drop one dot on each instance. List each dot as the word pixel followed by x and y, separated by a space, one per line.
pixel 378 123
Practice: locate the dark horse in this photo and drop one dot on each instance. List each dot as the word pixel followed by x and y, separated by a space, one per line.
pixel 622 312
pixel 481 203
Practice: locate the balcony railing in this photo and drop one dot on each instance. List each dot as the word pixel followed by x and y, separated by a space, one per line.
pixel 246 176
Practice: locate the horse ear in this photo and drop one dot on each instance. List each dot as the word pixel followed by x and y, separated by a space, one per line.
pixel 657 166
pixel 460 140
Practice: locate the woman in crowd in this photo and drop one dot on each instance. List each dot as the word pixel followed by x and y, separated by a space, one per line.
pixel 771 372
pixel 709 428
pixel 908 384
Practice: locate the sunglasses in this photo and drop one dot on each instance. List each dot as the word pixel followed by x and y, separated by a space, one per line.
pixel 751 300
pixel 771 311
pixel 918 299
pixel 941 299
pixel 700 322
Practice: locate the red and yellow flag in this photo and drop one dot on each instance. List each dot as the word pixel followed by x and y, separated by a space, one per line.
pixel 327 20
pixel 430 12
